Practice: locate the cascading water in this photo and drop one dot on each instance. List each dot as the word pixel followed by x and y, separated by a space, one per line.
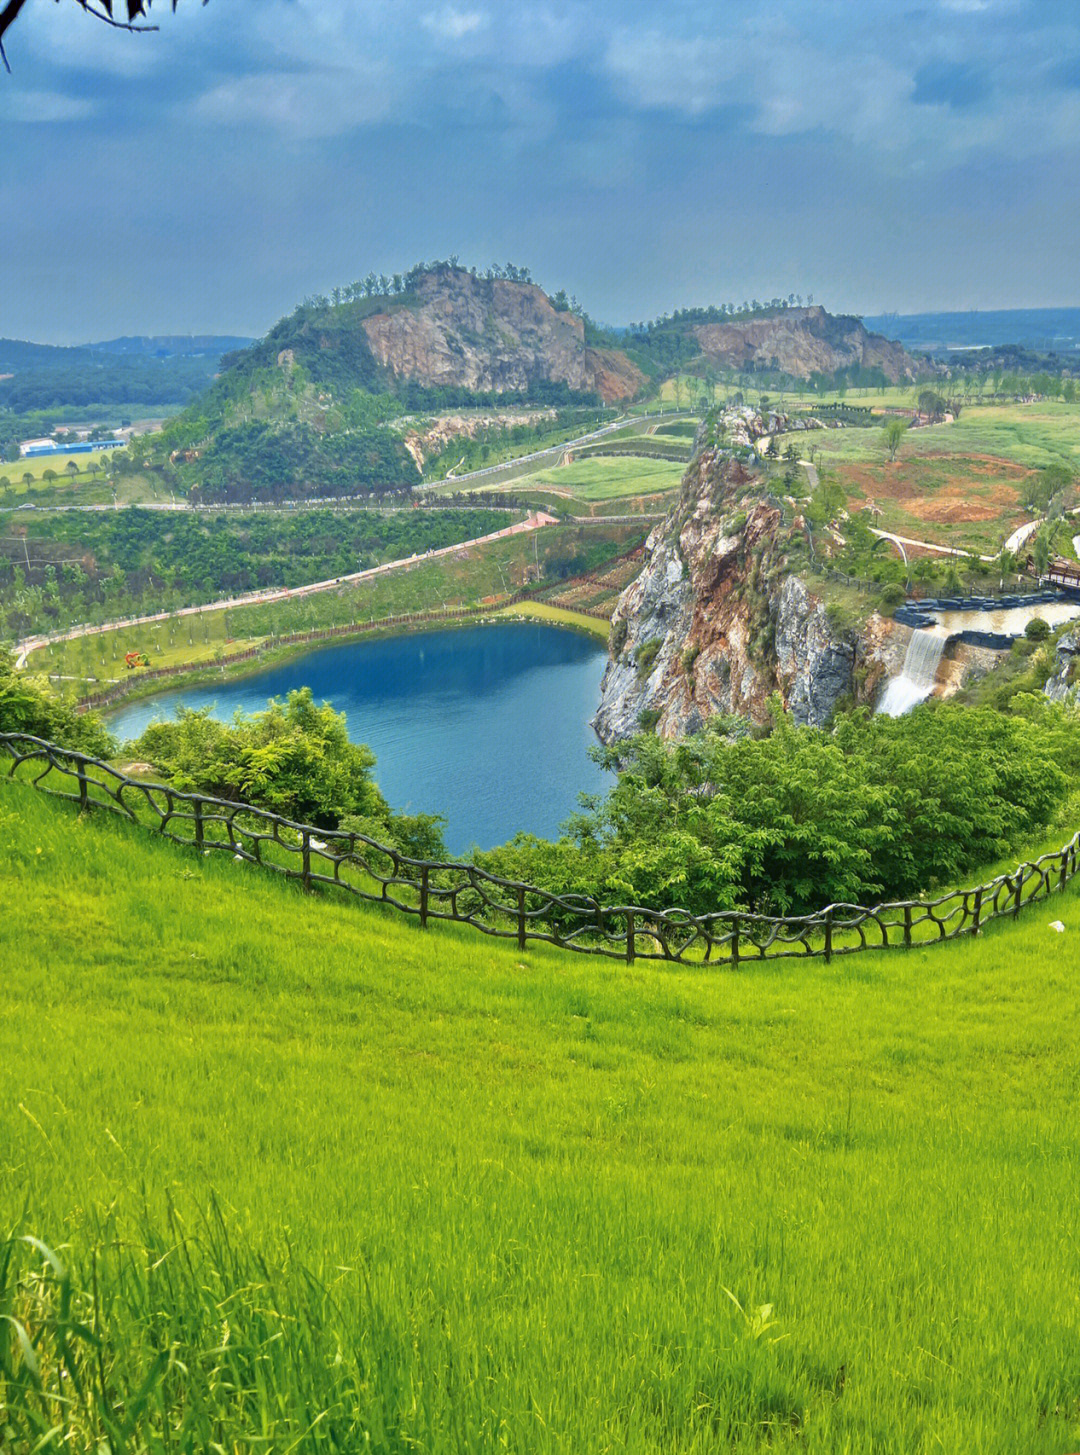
pixel 916 681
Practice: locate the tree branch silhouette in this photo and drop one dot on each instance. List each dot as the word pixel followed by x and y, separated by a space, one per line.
pixel 102 10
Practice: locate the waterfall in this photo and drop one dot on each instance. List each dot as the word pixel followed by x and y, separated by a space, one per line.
pixel 916 681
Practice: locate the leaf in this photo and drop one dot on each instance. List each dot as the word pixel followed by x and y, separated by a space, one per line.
pixel 25 1347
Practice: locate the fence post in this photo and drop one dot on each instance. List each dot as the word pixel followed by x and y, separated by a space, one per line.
pixel 305 839
pixel 977 914
pixel 735 925
pixel 198 823
pixel 828 934
pixel 630 947
pixel 1019 891
pixel 423 897
pixel 84 789
pixel 1063 877
pixel 521 916
pixel 907 926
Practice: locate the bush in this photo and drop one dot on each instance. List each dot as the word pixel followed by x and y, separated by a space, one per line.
pixel 881 808
pixel 891 596
pixel 645 655
pixel 29 705
pixel 1037 630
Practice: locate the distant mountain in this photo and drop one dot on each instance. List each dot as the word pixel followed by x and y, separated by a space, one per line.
pixel 803 342
pixel 1043 330
pixel 174 345
pixel 166 370
pixel 450 337
pixel 18 354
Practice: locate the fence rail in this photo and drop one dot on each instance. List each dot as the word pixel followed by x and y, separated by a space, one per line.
pixel 507 909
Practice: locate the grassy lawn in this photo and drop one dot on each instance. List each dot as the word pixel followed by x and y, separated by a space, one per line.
pixel 86 489
pixel 342 1184
pixel 560 616
pixel 607 478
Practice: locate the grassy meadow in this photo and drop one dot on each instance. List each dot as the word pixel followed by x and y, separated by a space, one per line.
pixel 958 484
pixel 606 478
pixel 311 1178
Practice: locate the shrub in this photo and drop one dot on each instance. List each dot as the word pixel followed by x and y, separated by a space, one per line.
pixel 645 655
pixel 879 808
pixel 29 705
pixel 619 632
pixel 1037 630
pixel 688 658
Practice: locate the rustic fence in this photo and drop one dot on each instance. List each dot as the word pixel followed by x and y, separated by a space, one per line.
pixel 465 894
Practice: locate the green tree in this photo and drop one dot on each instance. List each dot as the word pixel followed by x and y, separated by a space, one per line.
pixel 892 435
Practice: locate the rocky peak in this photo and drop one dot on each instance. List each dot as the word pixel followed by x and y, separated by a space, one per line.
pixel 801 342
pixel 716 623
pixel 493 335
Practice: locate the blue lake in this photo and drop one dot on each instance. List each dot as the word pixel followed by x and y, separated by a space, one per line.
pixel 487 725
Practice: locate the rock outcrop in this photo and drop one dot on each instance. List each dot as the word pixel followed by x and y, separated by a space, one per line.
pixel 716 622
pixel 1062 686
pixel 493 335
pixel 802 341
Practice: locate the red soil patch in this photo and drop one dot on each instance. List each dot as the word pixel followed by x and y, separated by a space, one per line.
pixel 919 476
pixel 947 511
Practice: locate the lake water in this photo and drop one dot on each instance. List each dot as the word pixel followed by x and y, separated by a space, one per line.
pixel 488 725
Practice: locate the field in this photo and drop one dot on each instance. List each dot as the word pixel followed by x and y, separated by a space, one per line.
pixel 323 1181
pixel 606 478
pixel 957 484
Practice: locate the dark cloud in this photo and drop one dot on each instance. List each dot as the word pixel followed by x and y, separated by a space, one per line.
pixel 884 155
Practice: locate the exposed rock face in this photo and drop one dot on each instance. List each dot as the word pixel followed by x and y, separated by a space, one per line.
pixel 493 334
pixel 803 341
pixel 716 624
pixel 1062 686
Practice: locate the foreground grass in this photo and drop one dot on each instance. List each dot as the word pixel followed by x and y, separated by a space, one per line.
pixel 319 1180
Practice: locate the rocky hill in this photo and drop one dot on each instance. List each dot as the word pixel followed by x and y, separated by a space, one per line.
pixel 446 338
pixel 717 622
pixel 493 336
pixel 802 342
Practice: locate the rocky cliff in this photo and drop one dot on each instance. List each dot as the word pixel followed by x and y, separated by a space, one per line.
pixel 493 335
pixel 802 341
pixel 717 623
pixel 1062 686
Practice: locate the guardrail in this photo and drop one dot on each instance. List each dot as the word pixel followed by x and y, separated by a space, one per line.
pixel 507 909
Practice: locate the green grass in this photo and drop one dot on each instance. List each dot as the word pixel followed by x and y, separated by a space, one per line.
pixel 431 1193
pixel 607 478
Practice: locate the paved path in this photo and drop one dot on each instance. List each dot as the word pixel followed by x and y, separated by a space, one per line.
pixel 901 541
pixel 1021 534
pixel 536 521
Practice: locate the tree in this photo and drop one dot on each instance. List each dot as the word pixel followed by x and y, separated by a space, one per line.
pixel 103 10
pixel 72 469
pixel 893 434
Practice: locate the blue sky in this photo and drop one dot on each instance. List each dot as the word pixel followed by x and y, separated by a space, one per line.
pixel 880 155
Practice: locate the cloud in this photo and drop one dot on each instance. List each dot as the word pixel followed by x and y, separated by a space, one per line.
pixel 301 104
pixel 451 24
pixel 44 106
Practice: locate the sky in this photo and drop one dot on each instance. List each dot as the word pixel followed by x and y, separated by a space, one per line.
pixel 881 155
